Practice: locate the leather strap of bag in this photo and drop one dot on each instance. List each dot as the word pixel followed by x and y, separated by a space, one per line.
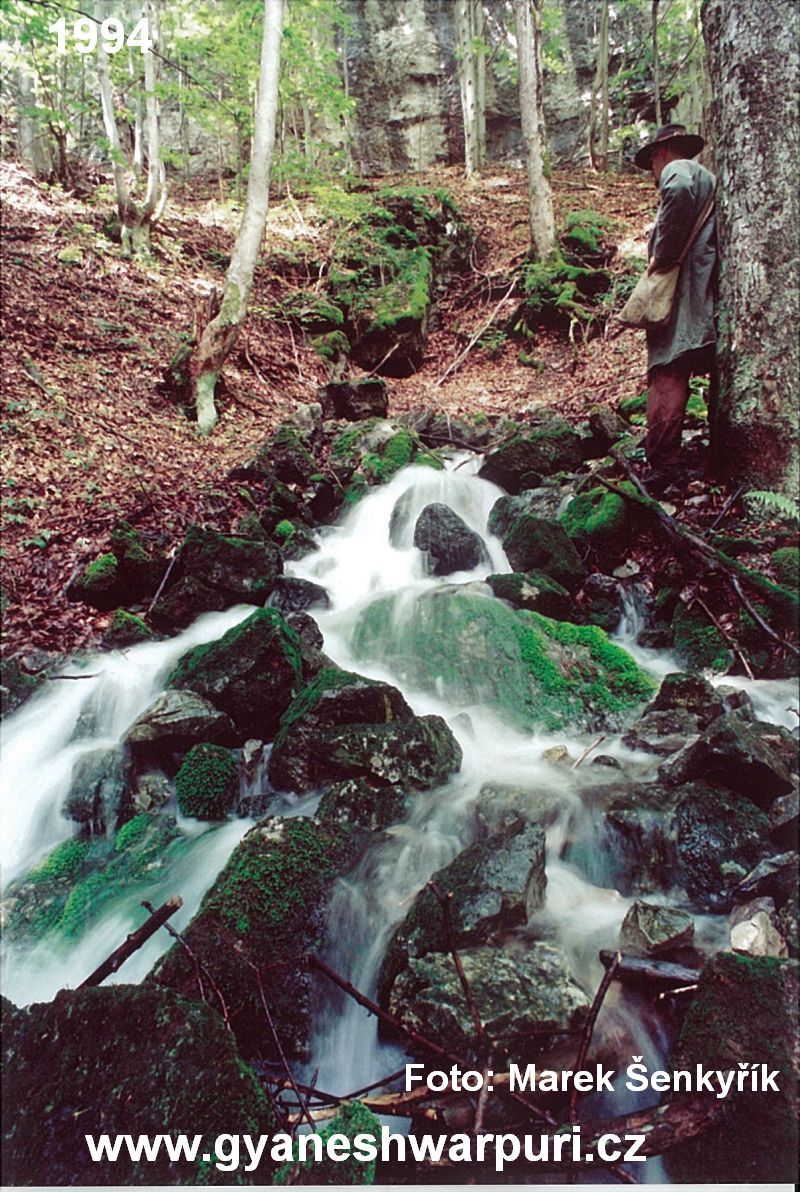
pixel 701 219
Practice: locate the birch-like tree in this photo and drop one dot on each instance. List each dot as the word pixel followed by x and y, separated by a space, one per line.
pixel 221 333
pixel 540 197
pixel 471 59
pixel 599 101
pixel 136 219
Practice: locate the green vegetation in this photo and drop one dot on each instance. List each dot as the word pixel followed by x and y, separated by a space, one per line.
pixel 351 1119
pixel 207 783
pixel 697 642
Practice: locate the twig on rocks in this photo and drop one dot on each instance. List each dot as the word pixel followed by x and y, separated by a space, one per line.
pixel 588 1030
pixel 589 749
pixel 445 902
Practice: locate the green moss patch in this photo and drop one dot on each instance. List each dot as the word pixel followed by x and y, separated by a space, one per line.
pixel 207 783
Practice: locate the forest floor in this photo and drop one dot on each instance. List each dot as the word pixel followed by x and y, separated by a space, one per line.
pixel 90 434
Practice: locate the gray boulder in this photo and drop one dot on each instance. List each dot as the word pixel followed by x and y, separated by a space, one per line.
pixel 655 930
pixel 99 797
pixel 175 721
pixel 447 541
pixel 752 758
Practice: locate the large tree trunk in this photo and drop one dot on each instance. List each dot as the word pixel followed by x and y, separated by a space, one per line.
pixel 753 62
pixel 221 333
pixel 540 198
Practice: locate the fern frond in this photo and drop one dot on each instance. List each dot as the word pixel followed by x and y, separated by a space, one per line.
pixel 774 503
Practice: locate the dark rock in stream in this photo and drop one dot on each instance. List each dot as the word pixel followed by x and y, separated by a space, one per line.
pixel 538 502
pixel 99 797
pixel 752 758
pixel 521 463
pixel 364 803
pixel 719 837
pixel 265 911
pixel 120 1059
pixel 492 886
pixel 744 1012
pixel 447 541
pixel 649 930
pixel 344 726
pixel 251 673
pixel 291 595
pixel 355 400
pixel 175 721
pixel 535 592
pixel 534 544
pixel 526 990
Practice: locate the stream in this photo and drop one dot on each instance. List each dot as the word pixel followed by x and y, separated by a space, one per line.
pixel 355 562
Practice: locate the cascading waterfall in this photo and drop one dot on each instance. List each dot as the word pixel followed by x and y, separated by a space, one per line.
pixel 370 554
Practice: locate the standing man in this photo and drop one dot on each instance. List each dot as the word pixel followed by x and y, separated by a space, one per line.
pixel 686 346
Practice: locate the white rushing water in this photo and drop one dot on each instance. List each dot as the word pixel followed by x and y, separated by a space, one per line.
pixel 356 562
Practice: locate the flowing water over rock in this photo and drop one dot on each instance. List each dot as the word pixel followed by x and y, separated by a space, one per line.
pixel 370 557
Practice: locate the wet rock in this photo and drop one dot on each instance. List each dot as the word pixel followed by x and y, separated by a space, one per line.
pixel 775 877
pixel 347 727
pixel 472 650
pixel 601 520
pixel 783 819
pixel 355 400
pixel 311 642
pixel 125 630
pixel 649 930
pixel 242 570
pixel 627 841
pixel 605 759
pixel 689 693
pixel 207 784
pixel 558 755
pixel 744 1012
pixel 499 806
pixel 601 601
pixel 538 502
pixel 291 595
pixel 492 886
pixel 267 907
pixel 175 721
pixel 150 790
pixel 535 592
pixel 112 1060
pixel 447 541
pixel 753 930
pixel 719 836
pixel 183 603
pixel 752 758
pixel 99 798
pixel 363 803
pixel 662 733
pixel 21 675
pixel 533 544
pixel 522 462
pixel 514 992
pixel 251 673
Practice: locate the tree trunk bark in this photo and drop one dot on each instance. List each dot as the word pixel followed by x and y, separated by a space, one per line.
pixel 754 68
pixel 480 83
pixel 466 77
pixel 656 67
pixel 30 131
pixel 220 335
pixel 540 198
pixel 125 207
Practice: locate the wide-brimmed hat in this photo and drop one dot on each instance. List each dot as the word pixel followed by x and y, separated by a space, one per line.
pixel 674 135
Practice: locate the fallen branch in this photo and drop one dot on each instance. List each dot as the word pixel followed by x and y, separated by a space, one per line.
pixel 643 970
pixel 445 901
pixel 589 749
pixel 474 339
pixel 132 943
pixel 727 637
pixel 588 1030
pixel 199 969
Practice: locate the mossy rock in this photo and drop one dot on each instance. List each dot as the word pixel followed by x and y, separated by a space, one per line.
pixel 17 685
pixel 265 911
pixel 352 1119
pixel 492 886
pixel 207 784
pixel 34 904
pixel 634 409
pixel 522 463
pixel 533 591
pixel 355 400
pixel 786 563
pixel 395 454
pixel 536 544
pixel 290 454
pixel 241 570
pixel 744 1012
pixel 698 643
pixel 120 1059
pixel 251 673
pixel 364 803
pixel 473 649
pixel 344 726
pixel 719 837
pixel 600 519
pixel 183 603
pixel 139 570
pixel 99 585
pixel 125 630
pixel 333 348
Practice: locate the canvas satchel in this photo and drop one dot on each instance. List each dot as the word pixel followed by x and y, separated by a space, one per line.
pixel 650 305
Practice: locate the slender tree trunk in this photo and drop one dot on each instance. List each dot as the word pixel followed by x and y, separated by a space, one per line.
pixel 755 77
pixel 656 66
pixel 155 196
pixel 599 158
pixel 480 83
pixel 466 76
pixel 540 198
pixel 138 123
pixel 125 207
pixel 221 333
pixel 30 132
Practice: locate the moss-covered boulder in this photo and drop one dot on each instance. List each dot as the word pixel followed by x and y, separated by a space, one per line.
pixel 535 544
pixel 526 991
pixel 719 838
pixel 125 630
pixel 263 913
pixel 121 1060
pixel 601 520
pixel 473 649
pixel 752 758
pixel 786 564
pixel 184 601
pixel 689 693
pixel 698 643
pixel 446 541
pixel 207 783
pixel 744 1013
pixel 123 575
pixel 240 569
pixel 355 400
pixel 521 463
pixel 352 1118
pixel 344 726
pixel 251 673
pixel 74 884
pixel 535 592
pixel 17 683
pixel 365 803
pixel 492 886
pixel 99 585
pixel 538 502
